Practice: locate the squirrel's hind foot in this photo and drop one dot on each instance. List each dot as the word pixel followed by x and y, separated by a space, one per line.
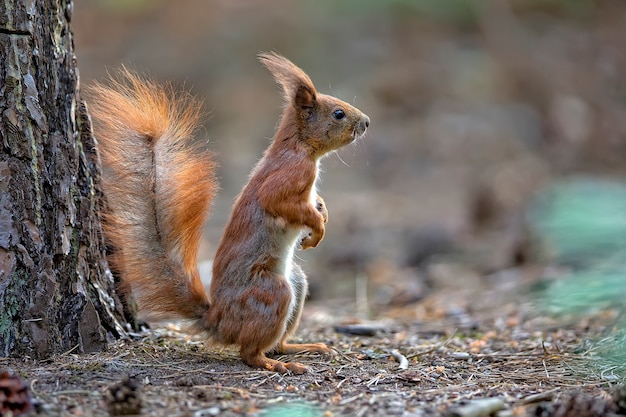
pixel 285 348
pixel 263 362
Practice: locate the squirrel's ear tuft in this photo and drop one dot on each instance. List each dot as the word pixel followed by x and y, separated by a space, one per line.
pixel 297 86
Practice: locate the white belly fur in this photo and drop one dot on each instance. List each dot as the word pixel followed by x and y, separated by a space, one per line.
pixel 294 235
pixel 291 241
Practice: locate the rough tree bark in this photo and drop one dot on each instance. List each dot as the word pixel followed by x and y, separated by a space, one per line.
pixel 56 292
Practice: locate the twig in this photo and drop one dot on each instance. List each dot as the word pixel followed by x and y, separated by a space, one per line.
pixel 541 396
pixel 478 408
pixel 351 399
pixel 76 392
pixel 347 357
pixel 32 386
pixel 69 351
pixel 375 380
pixel 404 362
pixel 546 368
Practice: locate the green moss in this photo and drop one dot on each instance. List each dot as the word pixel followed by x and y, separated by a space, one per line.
pixel 34 166
pixel 95 367
pixel 84 160
pixel 13 299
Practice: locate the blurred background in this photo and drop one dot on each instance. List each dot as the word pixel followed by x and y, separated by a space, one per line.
pixel 497 140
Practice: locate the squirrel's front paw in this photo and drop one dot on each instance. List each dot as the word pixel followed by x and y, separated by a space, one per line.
pixel 306 242
pixel 310 240
pixel 320 206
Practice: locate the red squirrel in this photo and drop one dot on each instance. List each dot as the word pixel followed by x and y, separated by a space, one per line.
pixel 159 187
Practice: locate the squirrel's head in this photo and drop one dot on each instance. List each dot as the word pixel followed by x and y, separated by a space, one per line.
pixel 323 122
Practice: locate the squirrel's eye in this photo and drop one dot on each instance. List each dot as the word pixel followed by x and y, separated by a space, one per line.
pixel 339 114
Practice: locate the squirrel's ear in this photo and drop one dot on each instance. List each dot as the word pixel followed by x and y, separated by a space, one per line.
pixel 305 97
pixel 297 86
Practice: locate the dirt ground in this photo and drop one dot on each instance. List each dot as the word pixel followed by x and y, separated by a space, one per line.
pixel 459 348
pixel 474 109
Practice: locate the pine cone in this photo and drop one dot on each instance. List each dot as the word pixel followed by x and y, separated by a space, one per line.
pixel 577 405
pixel 123 398
pixel 545 409
pixel 619 396
pixel 14 396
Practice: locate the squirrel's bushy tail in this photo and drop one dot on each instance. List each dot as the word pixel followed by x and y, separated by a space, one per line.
pixel 158 187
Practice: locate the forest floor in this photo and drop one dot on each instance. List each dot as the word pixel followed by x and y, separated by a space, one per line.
pixel 450 103
pixel 442 356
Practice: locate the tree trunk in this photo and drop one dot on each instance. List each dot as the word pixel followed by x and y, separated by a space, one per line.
pixel 56 291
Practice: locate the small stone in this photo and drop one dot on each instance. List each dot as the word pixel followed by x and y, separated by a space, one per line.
pixel 123 398
pixel 211 411
pixel 461 356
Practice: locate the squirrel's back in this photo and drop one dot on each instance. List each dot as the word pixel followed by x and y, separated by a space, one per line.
pixel 158 187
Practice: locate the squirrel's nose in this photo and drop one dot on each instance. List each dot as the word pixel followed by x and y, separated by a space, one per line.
pixel 367 121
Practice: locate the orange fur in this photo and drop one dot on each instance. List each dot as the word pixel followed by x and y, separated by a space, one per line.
pixel 158 188
pixel 257 292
